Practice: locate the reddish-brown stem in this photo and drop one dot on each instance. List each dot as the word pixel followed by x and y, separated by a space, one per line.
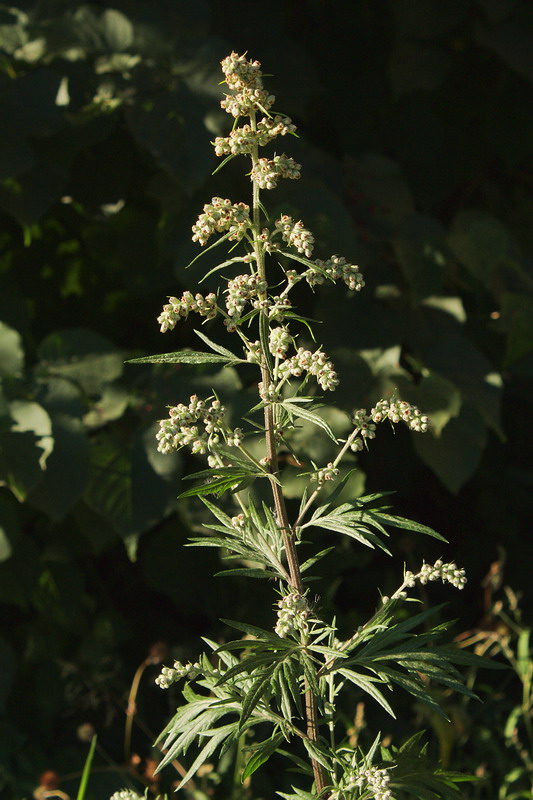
pixel 293 563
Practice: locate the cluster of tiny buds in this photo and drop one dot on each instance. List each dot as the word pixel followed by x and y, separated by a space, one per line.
pixel 400 411
pixel 333 269
pixel 316 364
pixel 180 308
pixel 242 140
pixel 180 430
pixel 220 216
pixel 125 794
pixel 170 675
pixel 269 394
pixel 254 352
pixel 277 306
pixel 327 473
pixel 244 78
pixel 296 235
pixel 279 340
pixel 447 573
pixel 239 73
pixel 292 615
pixel 238 522
pixel 394 411
pixel 240 290
pixel 365 427
pixel 267 171
pixel 375 779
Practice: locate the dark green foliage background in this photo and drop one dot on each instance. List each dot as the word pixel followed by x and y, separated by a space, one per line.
pixel 415 119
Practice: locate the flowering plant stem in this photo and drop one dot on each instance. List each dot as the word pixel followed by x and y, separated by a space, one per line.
pixel 295 580
pixel 290 678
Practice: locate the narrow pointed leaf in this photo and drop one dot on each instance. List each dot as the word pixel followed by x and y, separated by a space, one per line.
pixel 367 684
pixel 185 357
pixel 223 351
pixel 216 738
pixel 262 753
pixel 296 410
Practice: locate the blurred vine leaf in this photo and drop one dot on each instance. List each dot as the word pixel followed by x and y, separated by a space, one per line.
pixel 456 454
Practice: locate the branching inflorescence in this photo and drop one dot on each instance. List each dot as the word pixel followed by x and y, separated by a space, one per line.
pixel 290 676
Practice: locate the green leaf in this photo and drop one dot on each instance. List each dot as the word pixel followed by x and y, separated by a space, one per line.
pixel 366 683
pixel 185 357
pixel 306 261
pixel 517 313
pixel 299 795
pixel 405 524
pixel 223 351
pixel 207 249
pixel 253 630
pixel 456 455
pixel 237 260
pixel 482 243
pixel 25 445
pixel 81 356
pixel 221 480
pixel 11 352
pixel 247 572
pixel 313 559
pixel 293 407
pixel 216 511
pixel 414 687
pixel 421 250
pixel 261 754
pixel 67 469
pixel 355 531
pixel 117 29
pixel 216 737
pixel 123 487
pixel 223 163
pixel 317 753
pixel 254 696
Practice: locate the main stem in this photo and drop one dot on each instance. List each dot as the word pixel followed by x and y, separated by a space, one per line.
pixel 293 563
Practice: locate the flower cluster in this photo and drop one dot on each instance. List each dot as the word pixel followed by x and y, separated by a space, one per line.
pixel 242 140
pixel 400 411
pixel 170 675
pixel 180 308
pixel 316 364
pixel 447 573
pixel 365 427
pixel 279 340
pixel 395 411
pixel 244 78
pixel 219 216
pixel 374 779
pixel 296 235
pixel 335 268
pixel 327 473
pixel 267 171
pixel 254 352
pixel 277 306
pixel 292 615
pixel 240 290
pixel 125 794
pixel 180 429
pixel 240 73
pixel 239 522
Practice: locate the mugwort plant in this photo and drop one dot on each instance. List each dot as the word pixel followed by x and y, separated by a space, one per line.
pixel 277 690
